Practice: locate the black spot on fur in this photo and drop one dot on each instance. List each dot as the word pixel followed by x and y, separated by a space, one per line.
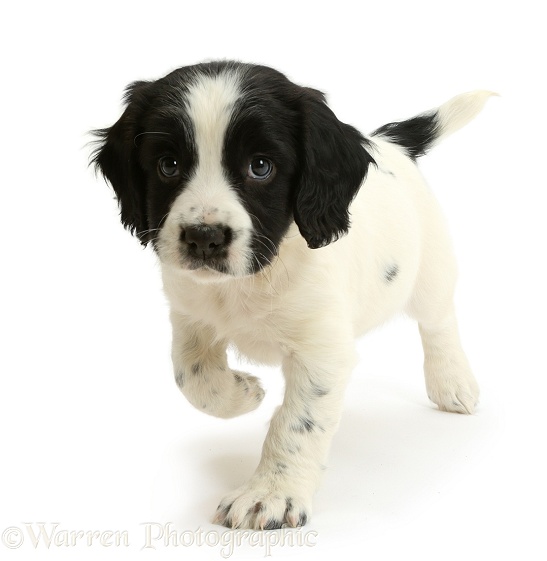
pixel 318 391
pixel 223 514
pixel 302 519
pixel 225 509
pixel 304 425
pixel 197 368
pixel 258 507
pixel 179 379
pixel 391 273
pixel 293 449
pixel 273 524
pixel 415 135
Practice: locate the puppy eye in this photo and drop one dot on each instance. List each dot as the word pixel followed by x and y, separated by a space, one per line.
pixel 260 168
pixel 168 167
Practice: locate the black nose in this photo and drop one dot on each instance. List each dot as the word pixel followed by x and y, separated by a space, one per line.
pixel 206 241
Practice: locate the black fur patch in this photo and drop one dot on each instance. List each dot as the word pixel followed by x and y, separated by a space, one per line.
pixel 415 135
pixel 336 160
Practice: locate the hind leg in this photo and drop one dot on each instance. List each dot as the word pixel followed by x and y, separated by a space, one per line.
pixel 448 377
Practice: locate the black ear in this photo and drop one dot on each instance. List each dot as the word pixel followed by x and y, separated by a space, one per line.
pixel 335 163
pixel 116 159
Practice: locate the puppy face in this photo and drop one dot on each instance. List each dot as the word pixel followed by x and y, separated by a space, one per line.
pixel 214 162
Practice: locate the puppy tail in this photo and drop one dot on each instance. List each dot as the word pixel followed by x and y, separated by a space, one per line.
pixel 419 134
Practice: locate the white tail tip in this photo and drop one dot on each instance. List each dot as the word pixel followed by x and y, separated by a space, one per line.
pixel 457 112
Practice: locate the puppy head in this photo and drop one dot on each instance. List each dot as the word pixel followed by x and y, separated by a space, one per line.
pixel 213 163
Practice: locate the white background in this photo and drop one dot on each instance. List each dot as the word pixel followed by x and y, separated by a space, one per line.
pixel 94 433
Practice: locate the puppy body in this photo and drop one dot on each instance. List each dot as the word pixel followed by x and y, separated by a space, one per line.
pixel 358 282
pixel 244 241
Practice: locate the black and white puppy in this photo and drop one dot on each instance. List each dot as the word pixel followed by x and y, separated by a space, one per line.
pixel 242 180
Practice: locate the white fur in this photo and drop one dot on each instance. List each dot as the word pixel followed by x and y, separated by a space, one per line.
pixel 208 198
pixel 305 310
pixel 458 111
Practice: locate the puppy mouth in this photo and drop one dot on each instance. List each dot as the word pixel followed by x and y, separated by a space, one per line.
pixel 214 265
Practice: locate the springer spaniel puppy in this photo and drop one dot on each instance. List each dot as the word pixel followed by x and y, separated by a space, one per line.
pixel 286 233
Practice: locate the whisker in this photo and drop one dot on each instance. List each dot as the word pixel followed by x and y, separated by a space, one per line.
pixel 256 218
pixel 271 249
pixel 150 230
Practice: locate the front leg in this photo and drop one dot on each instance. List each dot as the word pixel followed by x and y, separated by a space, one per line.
pixel 202 373
pixel 296 446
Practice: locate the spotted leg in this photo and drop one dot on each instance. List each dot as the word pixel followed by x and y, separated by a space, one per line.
pixel 294 452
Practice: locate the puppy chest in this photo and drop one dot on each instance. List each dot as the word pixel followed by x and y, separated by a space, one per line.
pixel 246 322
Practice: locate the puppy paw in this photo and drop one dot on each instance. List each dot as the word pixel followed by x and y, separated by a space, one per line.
pixel 223 393
pixel 261 508
pixel 453 391
pixel 247 394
